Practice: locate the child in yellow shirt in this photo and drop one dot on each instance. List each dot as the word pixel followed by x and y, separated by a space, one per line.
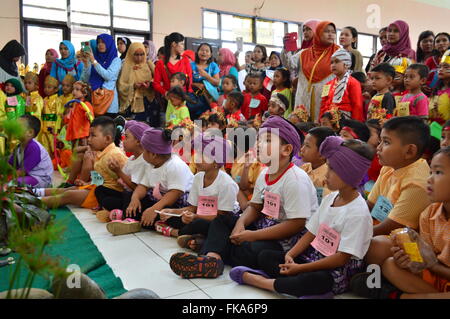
pixel 34 101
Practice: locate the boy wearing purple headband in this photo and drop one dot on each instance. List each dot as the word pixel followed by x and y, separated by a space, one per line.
pixel 337 238
pixel 213 193
pixel 283 198
pixel 165 183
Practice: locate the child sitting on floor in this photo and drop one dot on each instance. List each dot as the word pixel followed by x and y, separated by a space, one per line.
pixel 164 184
pixel 101 140
pixel 213 193
pixel 434 225
pixel 34 102
pixel 15 104
pixel 284 197
pixel 337 238
pixel 229 84
pixel 399 194
pixel 30 159
pixel 233 107
pixel 180 113
pixel 282 83
pixel 315 164
pixel 129 175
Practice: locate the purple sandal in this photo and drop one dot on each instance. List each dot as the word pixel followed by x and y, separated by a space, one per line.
pixel 237 272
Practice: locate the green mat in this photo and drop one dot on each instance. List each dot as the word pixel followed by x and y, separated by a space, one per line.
pixel 75 248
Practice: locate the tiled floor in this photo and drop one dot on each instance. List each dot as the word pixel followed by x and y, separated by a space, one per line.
pixel 141 260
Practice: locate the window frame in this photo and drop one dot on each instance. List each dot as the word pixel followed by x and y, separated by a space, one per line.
pixel 254 20
pixel 67 30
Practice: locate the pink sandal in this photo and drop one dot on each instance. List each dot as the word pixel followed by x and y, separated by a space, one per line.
pixel 163 228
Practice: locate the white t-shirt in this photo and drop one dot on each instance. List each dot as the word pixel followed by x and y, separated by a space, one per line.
pixel 298 197
pixel 173 174
pixel 352 221
pixel 135 168
pixel 224 187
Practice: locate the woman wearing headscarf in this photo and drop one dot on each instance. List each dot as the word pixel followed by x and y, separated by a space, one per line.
pixel 308 30
pixel 101 70
pixel 150 50
pixel 50 56
pixel 134 84
pixel 274 63
pixel 9 56
pixel 227 61
pixel 123 44
pixel 313 67
pixel 68 63
pixel 398 44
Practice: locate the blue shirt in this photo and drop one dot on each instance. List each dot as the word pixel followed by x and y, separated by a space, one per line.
pixel 212 69
pixel 110 76
pixel 60 73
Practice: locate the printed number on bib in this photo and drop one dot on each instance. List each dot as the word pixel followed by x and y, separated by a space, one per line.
pixel 254 103
pixel 207 205
pixel 382 208
pixel 96 178
pixel 271 205
pixel 327 240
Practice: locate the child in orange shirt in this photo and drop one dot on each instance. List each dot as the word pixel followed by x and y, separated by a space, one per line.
pixel 80 115
pixel 434 225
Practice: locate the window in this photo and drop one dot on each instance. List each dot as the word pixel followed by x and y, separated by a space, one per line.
pixel 36 52
pixel 38 9
pixel 226 27
pixel 79 20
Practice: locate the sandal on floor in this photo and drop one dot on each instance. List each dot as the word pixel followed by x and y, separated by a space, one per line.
pixel 187 241
pixel 192 266
pixel 163 228
pixel 237 272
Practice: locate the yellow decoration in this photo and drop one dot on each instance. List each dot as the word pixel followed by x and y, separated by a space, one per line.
pixel 412 249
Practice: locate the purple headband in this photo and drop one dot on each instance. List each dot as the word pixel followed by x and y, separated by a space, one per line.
pixel 153 141
pixel 137 128
pixel 214 147
pixel 349 165
pixel 286 131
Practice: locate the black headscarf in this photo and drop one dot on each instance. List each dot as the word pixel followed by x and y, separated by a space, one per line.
pixel 11 50
pixel 127 44
pixel 279 58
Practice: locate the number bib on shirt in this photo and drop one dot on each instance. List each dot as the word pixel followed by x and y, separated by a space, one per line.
pixel 254 103
pixel 382 208
pixel 157 192
pixel 403 109
pixel 326 241
pixel 96 178
pixel 326 90
pixel 207 205
pixel 12 100
pixel 271 205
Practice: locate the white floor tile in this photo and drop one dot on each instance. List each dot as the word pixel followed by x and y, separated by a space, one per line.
pixel 196 294
pixel 233 290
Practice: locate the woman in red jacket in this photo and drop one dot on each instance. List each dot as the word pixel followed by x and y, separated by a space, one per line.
pixel 172 62
pixel 344 91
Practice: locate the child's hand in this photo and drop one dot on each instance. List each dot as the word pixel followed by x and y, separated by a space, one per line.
pixel 114 166
pixel 135 205
pixel 238 228
pixel 148 217
pixel 288 259
pixel 246 235
pixel 202 72
pixel 290 269
pixel 79 182
pixel 187 217
pixel 400 257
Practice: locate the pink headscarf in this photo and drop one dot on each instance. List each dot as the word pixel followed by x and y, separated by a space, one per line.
pixel 228 61
pixel 312 24
pixel 55 54
pixel 403 46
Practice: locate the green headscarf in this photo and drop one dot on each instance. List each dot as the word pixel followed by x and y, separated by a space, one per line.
pixel 17 85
